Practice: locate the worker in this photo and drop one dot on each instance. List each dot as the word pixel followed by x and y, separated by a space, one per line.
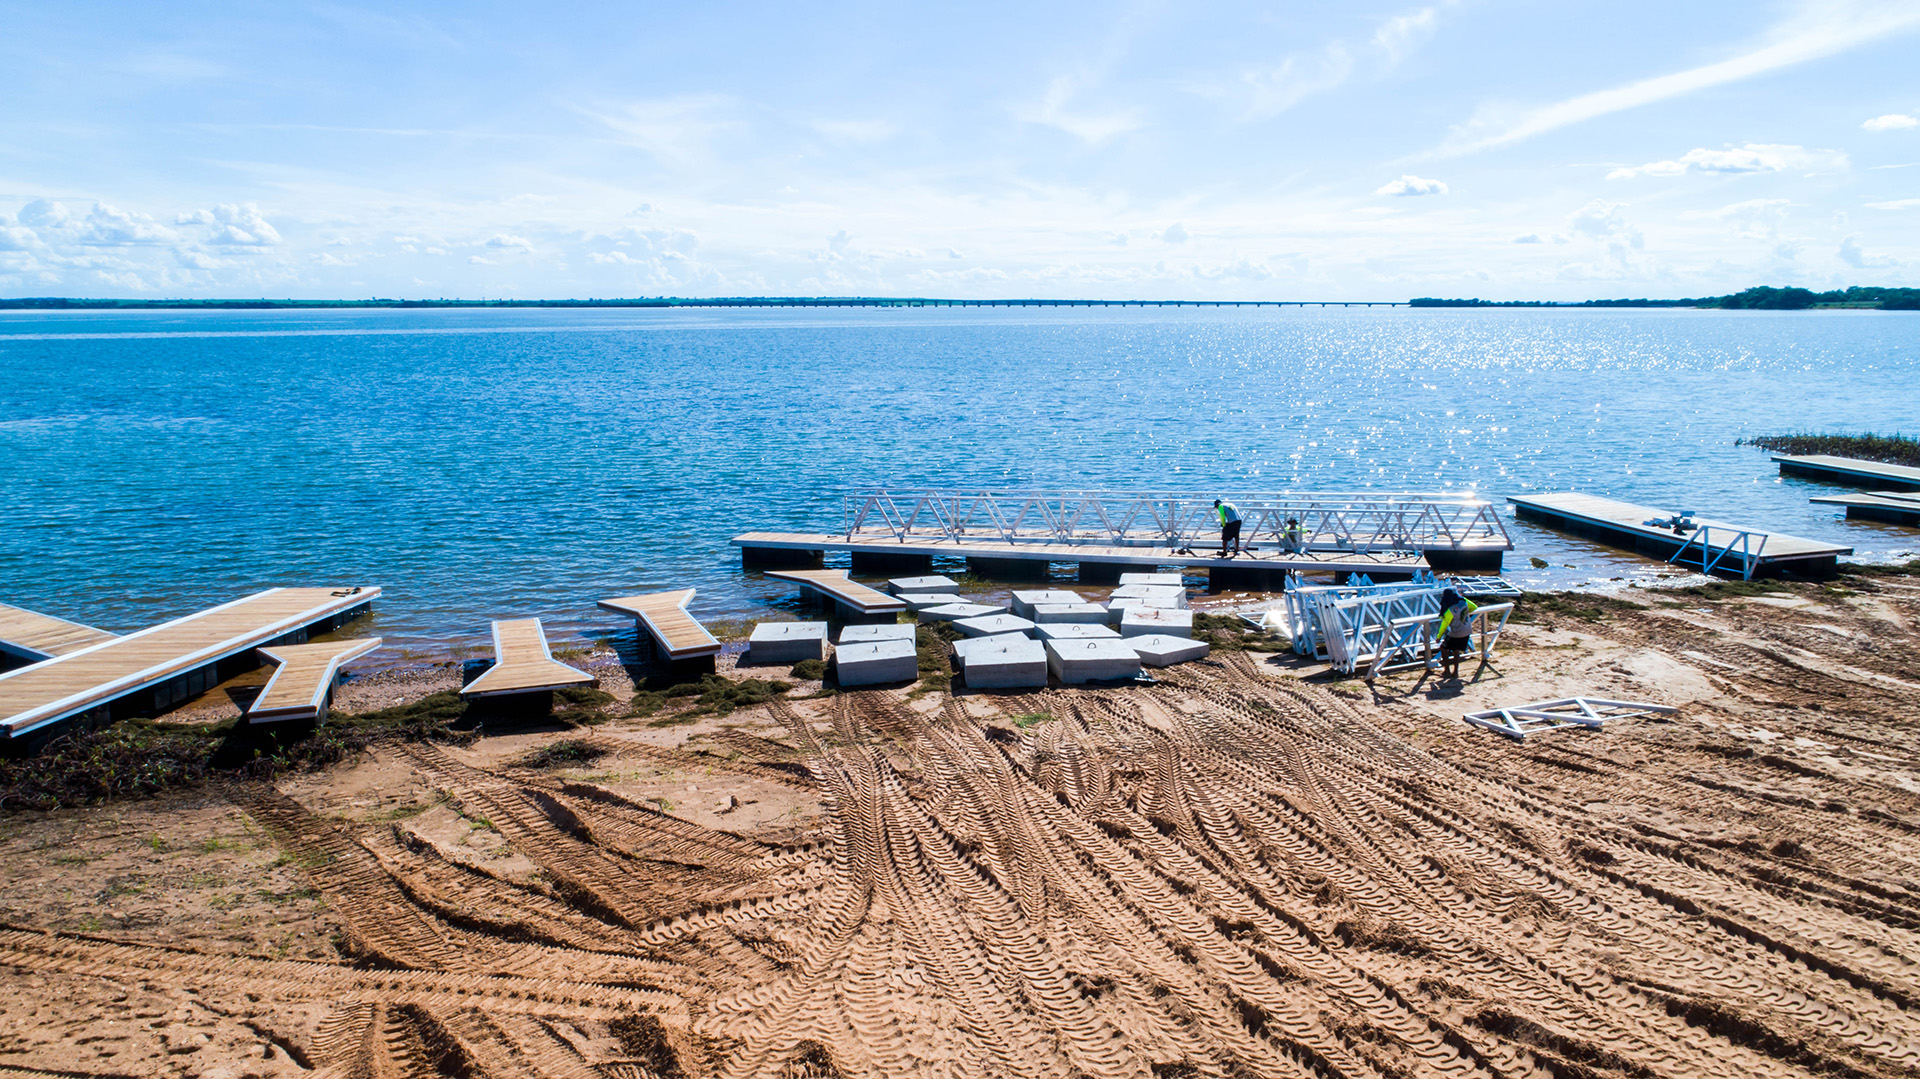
pixel 1229 526
pixel 1456 631
pixel 1293 535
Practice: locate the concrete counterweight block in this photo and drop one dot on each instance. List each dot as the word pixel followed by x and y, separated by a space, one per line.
pixel 993 625
pixel 1074 631
pixel 913 586
pixel 1140 621
pixel 1164 650
pixel 952 612
pixel 1025 600
pixel 920 601
pixel 1090 613
pixel 896 631
pixel 1097 660
pixel 870 663
pixel 787 642
pixel 1117 608
pixel 1154 595
pixel 1153 580
pixel 1008 661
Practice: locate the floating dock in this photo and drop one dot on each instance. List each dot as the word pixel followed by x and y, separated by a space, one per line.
pixel 1848 470
pixel 155 668
pixel 1259 570
pixel 304 678
pixel 676 635
pixel 1713 546
pixel 32 636
pixel 523 664
pixel 1893 507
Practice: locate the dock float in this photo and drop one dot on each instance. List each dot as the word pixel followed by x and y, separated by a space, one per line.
pixel 158 667
pixel 523 663
pixel 1851 471
pixel 855 601
pixel 1712 546
pixel 1893 507
pixel 676 635
pixel 32 636
pixel 304 679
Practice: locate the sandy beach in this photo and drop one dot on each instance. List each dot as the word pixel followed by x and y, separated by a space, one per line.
pixel 1245 869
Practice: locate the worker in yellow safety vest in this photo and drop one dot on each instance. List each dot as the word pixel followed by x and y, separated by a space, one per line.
pixel 1229 526
pixel 1456 631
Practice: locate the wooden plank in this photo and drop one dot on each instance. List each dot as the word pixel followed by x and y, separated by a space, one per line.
pixel 523 663
pixel 68 685
pixel 303 678
pixel 1626 519
pixel 1266 558
pixel 834 585
pixel 1849 470
pixel 35 636
pixel 676 634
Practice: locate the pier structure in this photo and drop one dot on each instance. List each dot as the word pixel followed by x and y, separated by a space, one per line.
pixel 1892 507
pixel 1711 546
pixel 1018 534
pixel 1850 471
pixel 155 668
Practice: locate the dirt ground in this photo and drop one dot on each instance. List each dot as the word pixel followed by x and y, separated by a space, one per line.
pixel 1247 869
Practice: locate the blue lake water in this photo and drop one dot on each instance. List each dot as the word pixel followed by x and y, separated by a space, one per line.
pixel 482 463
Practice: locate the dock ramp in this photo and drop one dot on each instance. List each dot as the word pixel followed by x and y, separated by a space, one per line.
pixel 303 679
pixel 523 663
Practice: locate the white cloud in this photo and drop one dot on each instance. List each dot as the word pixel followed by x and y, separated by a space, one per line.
pixel 1092 127
pixel 1529 238
pixel 1896 204
pixel 476 260
pixel 1176 233
pixel 15 238
pixel 243 226
pixel 1892 121
pixel 1817 29
pixel 110 226
pixel 612 257
pixel 1851 254
pixel 1277 88
pixel 42 213
pixel 1753 157
pixel 1411 186
pixel 1605 220
pixel 509 241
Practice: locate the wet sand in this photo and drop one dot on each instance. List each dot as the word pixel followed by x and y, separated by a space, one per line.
pixel 1246 869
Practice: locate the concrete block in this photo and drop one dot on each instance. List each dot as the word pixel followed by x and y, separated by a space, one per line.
pixel 787 642
pixel 1153 580
pixel 920 600
pixel 1008 661
pixel 1118 607
pixel 951 612
pixel 993 624
pixel 907 586
pixel 1091 613
pixel 1165 650
pixel 895 631
pixel 1074 631
pixel 1096 660
pixel 962 647
pixel 1025 600
pixel 869 663
pixel 1155 595
pixel 1140 621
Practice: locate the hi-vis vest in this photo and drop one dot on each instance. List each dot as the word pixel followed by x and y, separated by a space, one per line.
pixel 1228 514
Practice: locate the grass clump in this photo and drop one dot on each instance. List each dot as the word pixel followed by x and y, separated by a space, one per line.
pixel 1231 633
pixel 1856 569
pixel 1028 719
pixel 712 695
pixel 1887 449
pixel 559 754
pixel 930 651
pixel 1584 606
pixel 809 670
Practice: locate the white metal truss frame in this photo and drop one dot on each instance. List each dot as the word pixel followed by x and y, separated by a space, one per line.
pixel 1409 642
pixel 1749 551
pixel 1303 603
pixel 1519 721
pixel 1363 522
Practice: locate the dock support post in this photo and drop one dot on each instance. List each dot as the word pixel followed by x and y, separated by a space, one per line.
pixel 1101 572
pixel 1014 569
pixel 780 558
pixel 878 562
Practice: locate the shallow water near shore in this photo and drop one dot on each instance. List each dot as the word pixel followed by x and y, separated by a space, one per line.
pixel 488 463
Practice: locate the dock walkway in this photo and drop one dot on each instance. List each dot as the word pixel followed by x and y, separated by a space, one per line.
pixel 186 650
pixel 1714 546
pixel 1851 471
pixel 676 635
pixel 1893 507
pixel 33 636
pixel 523 663
pixel 854 599
pixel 303 679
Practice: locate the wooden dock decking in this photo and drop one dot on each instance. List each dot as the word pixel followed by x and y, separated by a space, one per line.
pixel 303 677
pixel 1893 507
pixel 1621 524
pixel 523 663
pixel 676 634
pixel 33 636
pixel 833 585
pixel 1851 471
pixel 1268 558
pixel 85 679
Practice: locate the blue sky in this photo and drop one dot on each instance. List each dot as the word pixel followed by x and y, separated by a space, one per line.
pixel 1199 150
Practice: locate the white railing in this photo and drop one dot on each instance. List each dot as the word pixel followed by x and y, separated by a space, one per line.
pixel 1304 604
pixel 1365 522
pixel 1743 542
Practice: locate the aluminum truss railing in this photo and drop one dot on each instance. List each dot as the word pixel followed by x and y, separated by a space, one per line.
pixel 1303 604
pixel 1733 540
pixel 1364 522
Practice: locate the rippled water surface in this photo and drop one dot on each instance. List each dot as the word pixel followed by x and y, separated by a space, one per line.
pixel 488 463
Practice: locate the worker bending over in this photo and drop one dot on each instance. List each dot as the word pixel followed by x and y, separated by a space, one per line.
pixel 1229 526
pixel 1456 631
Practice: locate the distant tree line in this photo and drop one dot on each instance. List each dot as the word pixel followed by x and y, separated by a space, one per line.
pixel 1758 298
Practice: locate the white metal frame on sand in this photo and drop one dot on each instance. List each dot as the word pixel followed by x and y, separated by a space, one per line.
pixel 1521 720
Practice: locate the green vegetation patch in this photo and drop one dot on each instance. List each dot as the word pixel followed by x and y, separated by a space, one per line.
pixel 1887 449
pixel 567 751
pixel 1232 633
pixel 1855 569
pixel 809 670
pixel 712 695
pixel 1585 606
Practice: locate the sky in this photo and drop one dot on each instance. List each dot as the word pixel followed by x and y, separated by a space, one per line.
pixel 1297 151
